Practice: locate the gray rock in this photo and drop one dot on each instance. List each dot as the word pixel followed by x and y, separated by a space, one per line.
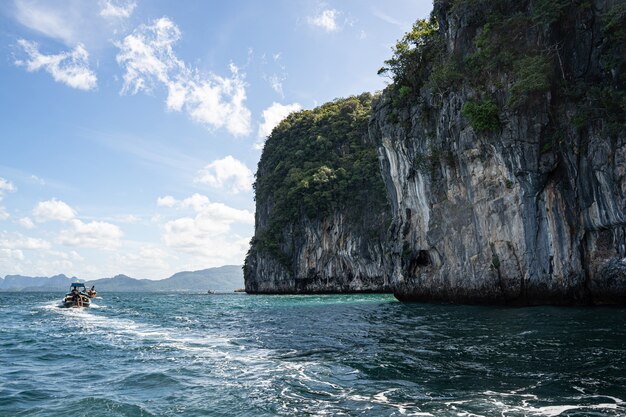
pixel 500 219
pixel 332 256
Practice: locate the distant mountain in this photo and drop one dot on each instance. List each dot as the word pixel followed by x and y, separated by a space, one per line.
pixel 224 278
pixel 21 283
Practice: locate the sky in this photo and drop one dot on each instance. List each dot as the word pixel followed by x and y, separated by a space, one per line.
pixel 130 130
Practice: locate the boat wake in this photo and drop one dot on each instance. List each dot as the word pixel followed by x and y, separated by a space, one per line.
pixel 156 348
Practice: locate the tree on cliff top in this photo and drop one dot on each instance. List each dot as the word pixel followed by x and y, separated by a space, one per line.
pixel 513 60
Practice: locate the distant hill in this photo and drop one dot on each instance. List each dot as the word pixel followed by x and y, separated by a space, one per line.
pixel 23 283
pixel 224 278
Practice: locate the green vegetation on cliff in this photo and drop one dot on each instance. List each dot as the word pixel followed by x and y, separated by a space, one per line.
pixel 510 54
pixel 314 163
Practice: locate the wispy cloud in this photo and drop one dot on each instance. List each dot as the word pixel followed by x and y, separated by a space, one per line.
pixel 40 181
pixel 326 19
pixel 227 173
pixel 166 201
pixel 5 186
pixel 127 218
pixel 142 260
pixel 279 74
pixel 148 57
pixel 17 241
pixel 386 18
pixel 26 223
pixel 48 18
pixel 117 9
pixel 276 82
pixel 27 177
pixel 75 21
pixel 148 151
pixel 70 68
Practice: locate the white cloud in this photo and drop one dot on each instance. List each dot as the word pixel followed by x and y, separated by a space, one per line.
pixel 197 202
pixel 128 218
pixel 138 262
pixel 4 214
pixel 19 241
pixel 200 239
pixel 227 173
pixel 6 185
pixel 37 180
pixel 26 222
pixel 218 211
pixel 272 116
pixel 204 236
pixel 167 201
pixel 53 210
pixel 208 234
pixel 148 59
pixel 95 234
pixel 12 254
pixel 326 20
pixel 192 234
pixel 71 255
pixel 70 68
pixel 117 9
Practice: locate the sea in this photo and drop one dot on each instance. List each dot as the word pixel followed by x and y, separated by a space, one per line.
pixel 332 355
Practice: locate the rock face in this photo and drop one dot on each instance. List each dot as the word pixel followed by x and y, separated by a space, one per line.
pixel 502 148
pixel 529 212
pixel 332 255
pixel 321 210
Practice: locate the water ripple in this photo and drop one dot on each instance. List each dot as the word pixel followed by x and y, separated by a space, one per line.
pixel 356 355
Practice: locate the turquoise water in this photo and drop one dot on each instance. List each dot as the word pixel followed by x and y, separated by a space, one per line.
pixel 355 355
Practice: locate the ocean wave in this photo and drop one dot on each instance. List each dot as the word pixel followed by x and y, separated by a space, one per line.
pixel 517 404
pixel 268 356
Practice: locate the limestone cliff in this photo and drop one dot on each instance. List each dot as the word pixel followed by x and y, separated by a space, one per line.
pixel 503 151
pixel 502 147
pixel 321 208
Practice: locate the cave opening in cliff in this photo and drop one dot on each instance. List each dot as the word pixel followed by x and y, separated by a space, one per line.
pixel 421 259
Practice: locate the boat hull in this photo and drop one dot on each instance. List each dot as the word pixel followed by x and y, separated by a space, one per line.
pixel 69 302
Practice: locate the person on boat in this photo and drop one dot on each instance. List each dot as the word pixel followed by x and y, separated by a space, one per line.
pixel 92 292
pixel 75 293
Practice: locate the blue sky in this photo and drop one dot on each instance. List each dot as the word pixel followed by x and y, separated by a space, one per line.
pixel 131 130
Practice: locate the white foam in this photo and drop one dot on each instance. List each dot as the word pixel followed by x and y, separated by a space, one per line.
pixel 526 408
pixel 557 410
pixel 381 397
